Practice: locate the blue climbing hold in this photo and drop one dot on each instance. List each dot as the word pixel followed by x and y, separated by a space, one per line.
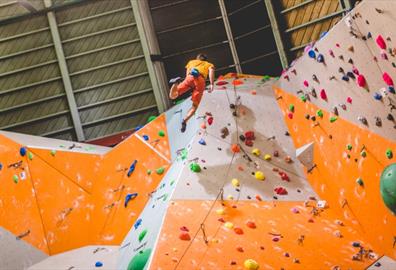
pixel 377 264
pixel 129 197
pixel 202 142
pixel 22 151
pixel 377 96
pixel 323 34
pixel 98 264
pixel 356 244
pixel 351 75
pixel 391 89
pixel 1 166
pixel 369 35
pixel 320 58
pixel 312 54
pixel 132 168
pixel 138 128
pixel 145 137
pixel 137 223
pixel 345 78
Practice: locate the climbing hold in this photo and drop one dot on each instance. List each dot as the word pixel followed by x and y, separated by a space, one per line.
pixel 161 133
pixel 228 225
pixel 276 153
pixel 145 137
pixel 249 135
pixel 220 211
pixel 378 121
pixel 363 153
pixel 237 82
pixel 351 48
pixel 256 152
pixel 202 141
pixel 290 115
pixel 345 78
pixel 295 210
pixel 288 159
pixel 98 264
pixel 391 89
pixel 132 168
pixel 194 167
pixel 129 197
pixel 361 80
pixel 30 155
pixel 235 182
pixel 224 132
pixel 280 191
pixel 235 148
pixel 377 96
pixel 359 181
pixel 22 151
pixel 239 249
pixel 267 157
pixel 15 178
pixel 291 107
pixel 312 54
pixel 323 94
pixel 335 110
pixel 210 120
pixel 320 58
pixel 151 118
pixel 140 260
pixel 238 230
pixel 303 98
pixel 284 176
pixel 306 84
pixel 331 53
pixel 149 172
pixel 258 198
pixel 387 79
pixel 251 264
pixel 185 236
pixel 389 153
pixel 160 170
pixel 380 42
pixel 333 119
pixel 259 175
pixel 203 126
pixel 350 75
pixel 349 147
pixel 349 100
pixel 250 224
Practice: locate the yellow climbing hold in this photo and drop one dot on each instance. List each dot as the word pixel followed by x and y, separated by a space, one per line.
pixel 229 225
pixel 256 152
pixel 235 182
pixel 220 211
pixel 251 264
pixel 259 175
pixel 230 197
pixel 267 157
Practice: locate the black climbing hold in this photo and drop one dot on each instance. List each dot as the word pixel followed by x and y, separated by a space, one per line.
pixel 307 116
pixel 369 35
pixel 345 78
pixel 341 70
pixel 275 198
pixel 242 137
pixel 253 173
pixel 356 160
pixel 351 75
pixel 249 198
pixel 218 148
pixel 204 168
pixel 350 61
pixel 313 118
pixel 298 190
pixel 237 190
pixel 390 117
pixel 356 244
pixel 232 106
pixel 234 113
pixel 287 133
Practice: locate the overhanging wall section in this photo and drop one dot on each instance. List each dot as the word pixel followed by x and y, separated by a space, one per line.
pixel 106 66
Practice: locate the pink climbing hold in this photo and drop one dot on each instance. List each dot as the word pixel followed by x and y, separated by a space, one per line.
pixel 295 210
pixel 306 84
pixel 380 42
pixel 349 100
pixel 355 70
pixel 280 191
pixel 337 45
pixel 290 115
pixel 387 79
pixel 323 94
pixel 331 53
pixel 361 80
pixel 185 236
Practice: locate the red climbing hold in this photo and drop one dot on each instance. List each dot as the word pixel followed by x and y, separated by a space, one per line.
pixel 249 135
pixel 355 70
pixel 253 92
pixel 306 84
pixel 280 191
pixel 387 79
pixel 184 229
pixel 221 83
pixel 238 230
pixel 284 176
pixel 361 81
pixel 248 142
pixel 239 249
pixel 258 197
pixel 221 220
pixel 380 42
pixel 290 115
pixel 323 94
pixel 210 121
pixel 251 224
pixel 185 236
pixel 349 100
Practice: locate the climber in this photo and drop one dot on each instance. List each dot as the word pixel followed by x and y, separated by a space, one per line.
pixel 197 71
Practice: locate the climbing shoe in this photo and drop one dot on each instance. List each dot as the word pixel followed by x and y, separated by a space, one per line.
pixel 175 80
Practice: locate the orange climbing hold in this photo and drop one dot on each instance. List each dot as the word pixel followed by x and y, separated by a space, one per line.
pixel 235 148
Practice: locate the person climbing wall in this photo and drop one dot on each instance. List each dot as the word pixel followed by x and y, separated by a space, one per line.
pixel 197 72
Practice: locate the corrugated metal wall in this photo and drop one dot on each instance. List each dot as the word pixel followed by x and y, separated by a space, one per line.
pixel 106 65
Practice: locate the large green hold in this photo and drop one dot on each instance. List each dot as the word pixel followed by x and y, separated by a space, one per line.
pixel 195 167
pixel 388 187
pixel 139 261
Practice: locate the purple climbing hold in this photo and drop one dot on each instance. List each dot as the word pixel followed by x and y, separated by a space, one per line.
pixel 320 58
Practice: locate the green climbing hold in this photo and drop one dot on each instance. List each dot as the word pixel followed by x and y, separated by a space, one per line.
pixel 349 147
pixel 149 172
pixel 333 119
pixel 195 167
pixel 303 98
pixel 160 171
pixel 388 187
pixel 359 181
pixel 53 152
pixel 142 235
pixel 15 178
pixel 363 153
pixel 319 113
pixel 151 118
pixel 183 154
pixel 172 182
pixel 389 153
pixel 291 107
pixel 139 261
pixel 161 133
pixel 165 197
pixel 30 156
pixel 265 78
